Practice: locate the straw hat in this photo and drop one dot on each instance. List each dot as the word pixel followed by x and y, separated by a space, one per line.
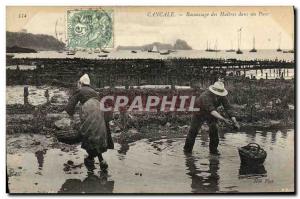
pixel 85 79
pixel 218 89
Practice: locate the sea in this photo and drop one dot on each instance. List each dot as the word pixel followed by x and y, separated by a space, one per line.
pixel 127 54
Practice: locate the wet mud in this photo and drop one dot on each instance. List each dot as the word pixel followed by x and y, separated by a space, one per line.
pixel 148 155
pixel 40 164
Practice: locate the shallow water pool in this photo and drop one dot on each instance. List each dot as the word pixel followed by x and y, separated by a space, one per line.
pixel 158 167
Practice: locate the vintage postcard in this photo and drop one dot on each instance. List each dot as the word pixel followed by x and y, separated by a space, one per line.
pixel 150 99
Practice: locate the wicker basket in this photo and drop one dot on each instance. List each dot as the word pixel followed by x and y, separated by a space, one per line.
pixel 65 132
pixel 252 154
pixel 68 137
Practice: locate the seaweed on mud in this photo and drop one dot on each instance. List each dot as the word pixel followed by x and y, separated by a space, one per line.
pixel 256 103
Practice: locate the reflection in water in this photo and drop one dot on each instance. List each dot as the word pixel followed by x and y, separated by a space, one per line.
pixel 203 134
pixel 221 135
pixel 198 173
pixel 40 158
pixel 252 137
pixel 124 148
pixel 203 181
pixel 92 184
pixel 204 138
pixel 263 137
pixel 273 136
pixel 284 134
pixel 258 170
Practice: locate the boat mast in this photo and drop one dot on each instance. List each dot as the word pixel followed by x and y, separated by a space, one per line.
pixel 56 29
pixel 216 45
pixel 239 38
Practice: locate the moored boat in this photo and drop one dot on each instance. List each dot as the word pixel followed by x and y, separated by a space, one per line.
pixel 71 52
pixel 239 51
pixel 165 52
pixel 231 49
pixel 97 50
pixel 154 49
pixel 279 43
pixel 104 51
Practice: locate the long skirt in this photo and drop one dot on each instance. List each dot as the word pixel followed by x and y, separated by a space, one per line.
pixel 94 130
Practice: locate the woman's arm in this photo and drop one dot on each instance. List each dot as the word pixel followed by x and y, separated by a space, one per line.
pixel 73 100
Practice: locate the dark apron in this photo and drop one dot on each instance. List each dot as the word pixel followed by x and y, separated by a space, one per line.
pixel 94 130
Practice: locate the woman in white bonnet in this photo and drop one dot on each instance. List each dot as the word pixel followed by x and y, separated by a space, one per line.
pixel 94 130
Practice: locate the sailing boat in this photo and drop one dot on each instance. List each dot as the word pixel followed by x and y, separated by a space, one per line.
pixel 279 43
pixel 208 47
pixel 291 50
pixel 216 47
pixel 239 41
pixel 231 49
pixel 154 49
pixel 288 51
pixel 253 50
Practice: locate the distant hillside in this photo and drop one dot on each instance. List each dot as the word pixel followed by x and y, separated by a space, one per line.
pixel 17 49
pixel 33 41
pixel 179 45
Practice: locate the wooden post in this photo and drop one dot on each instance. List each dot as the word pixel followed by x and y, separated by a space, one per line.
pixel 47 95
pixel 26 94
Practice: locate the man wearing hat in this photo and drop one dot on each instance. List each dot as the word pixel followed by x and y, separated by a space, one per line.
pixel 208 102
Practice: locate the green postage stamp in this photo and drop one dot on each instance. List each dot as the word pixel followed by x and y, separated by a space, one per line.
pixel 90 28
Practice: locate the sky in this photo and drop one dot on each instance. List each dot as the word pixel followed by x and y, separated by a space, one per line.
pixel 196 25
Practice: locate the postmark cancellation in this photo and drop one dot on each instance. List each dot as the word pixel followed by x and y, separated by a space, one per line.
pixel 90 28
